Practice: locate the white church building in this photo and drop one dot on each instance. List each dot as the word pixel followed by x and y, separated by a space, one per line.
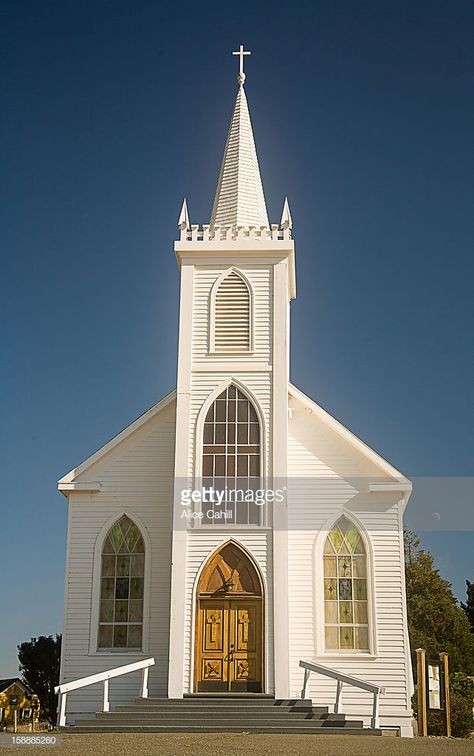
pixel 236 528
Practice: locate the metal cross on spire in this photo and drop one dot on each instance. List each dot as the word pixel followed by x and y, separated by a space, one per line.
pixel 241 52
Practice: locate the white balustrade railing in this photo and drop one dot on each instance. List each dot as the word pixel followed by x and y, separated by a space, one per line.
pixel 342 679
pixel 104 678
pixel 207 233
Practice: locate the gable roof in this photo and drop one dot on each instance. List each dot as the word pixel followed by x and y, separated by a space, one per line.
pixel 9 681
pixel 66 483
pixel 348 436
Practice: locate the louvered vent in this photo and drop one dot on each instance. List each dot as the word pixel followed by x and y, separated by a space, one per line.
pixel 232 315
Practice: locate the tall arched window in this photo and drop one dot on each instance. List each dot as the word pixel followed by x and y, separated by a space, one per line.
pixel 230 319
pixel 231 460
pixel 345 589
pixel 121 588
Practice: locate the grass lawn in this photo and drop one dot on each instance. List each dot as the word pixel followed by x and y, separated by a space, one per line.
pixel 177 744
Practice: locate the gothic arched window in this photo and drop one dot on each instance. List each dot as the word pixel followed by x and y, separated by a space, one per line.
pixel 231 315
pixel 231 459
pixel 345 589
pixel 121 588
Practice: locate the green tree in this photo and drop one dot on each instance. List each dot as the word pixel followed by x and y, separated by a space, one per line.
pixel 436 622
pixel 39 663
pixel 462 703
pixel 469 605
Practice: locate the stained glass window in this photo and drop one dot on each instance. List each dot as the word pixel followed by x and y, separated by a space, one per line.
pixel 345 589
pixel 231 458
pixel 121 588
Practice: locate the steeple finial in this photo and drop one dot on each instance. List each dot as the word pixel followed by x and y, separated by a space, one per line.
pixel 241 52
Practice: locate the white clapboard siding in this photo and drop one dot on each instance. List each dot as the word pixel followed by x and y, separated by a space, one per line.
pixel 200 545
pixel 260 279
pixel 137 477
pixel 325 475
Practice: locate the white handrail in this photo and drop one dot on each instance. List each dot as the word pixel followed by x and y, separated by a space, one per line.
pixel 104 677
pixel 356 682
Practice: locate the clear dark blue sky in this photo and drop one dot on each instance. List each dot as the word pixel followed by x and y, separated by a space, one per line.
pixel 363 114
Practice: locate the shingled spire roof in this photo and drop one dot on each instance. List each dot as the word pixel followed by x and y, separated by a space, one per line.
pixel 239 199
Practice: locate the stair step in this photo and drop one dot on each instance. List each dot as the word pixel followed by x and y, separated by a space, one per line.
pixel 260 712
pixel 228 717
pixel 277 729
pixel 222 713
pixel 230 721
pixel 227 700
pixel 244 694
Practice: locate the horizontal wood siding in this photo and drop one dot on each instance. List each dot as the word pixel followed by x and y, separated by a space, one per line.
pixel 200 545
pixel 260 279
pixel 137 477
pixel 325 475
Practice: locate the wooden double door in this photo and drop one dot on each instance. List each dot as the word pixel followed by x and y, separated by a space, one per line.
pixel 229 645
pixel 229 624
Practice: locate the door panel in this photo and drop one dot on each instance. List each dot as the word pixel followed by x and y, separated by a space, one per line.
pixel 213 644
pixel 229 645
pixel 246 642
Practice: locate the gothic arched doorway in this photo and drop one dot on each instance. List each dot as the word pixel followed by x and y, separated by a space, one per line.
pixel 229 624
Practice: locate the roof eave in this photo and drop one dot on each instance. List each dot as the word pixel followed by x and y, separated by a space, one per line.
pixel 68 480
pixel 405 484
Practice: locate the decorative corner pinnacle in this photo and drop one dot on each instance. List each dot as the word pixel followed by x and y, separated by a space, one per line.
pixel 183 221
pixel 286 219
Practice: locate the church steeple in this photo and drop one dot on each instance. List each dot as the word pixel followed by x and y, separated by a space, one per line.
pixel 239 199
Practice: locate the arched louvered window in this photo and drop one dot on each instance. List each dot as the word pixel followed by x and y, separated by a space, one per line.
pixel 121 588
pixel 231 318
pixel 345 589
pixel 231 460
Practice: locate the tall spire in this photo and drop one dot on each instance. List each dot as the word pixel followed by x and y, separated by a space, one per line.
pixel 239 199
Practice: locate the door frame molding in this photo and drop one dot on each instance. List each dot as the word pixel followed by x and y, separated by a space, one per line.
pixel 194 613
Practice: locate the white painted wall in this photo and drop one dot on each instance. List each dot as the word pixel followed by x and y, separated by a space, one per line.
pixel 259 278
pixel 136 478
pixel 327 477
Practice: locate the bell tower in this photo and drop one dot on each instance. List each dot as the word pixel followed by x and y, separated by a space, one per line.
pixel 237 279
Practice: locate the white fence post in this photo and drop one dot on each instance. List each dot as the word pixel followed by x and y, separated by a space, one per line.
pixel 305 680
pixel 62 709
pixel 145 682
pixel 106 705
pixel 375 711
pixel 338 696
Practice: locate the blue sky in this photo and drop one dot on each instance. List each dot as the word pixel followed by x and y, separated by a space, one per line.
pixel 112 112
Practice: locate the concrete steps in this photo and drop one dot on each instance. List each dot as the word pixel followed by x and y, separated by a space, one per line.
pixel 222 713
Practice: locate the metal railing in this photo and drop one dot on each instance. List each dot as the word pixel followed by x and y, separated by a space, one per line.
pixel 103 677
pixel 343 679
